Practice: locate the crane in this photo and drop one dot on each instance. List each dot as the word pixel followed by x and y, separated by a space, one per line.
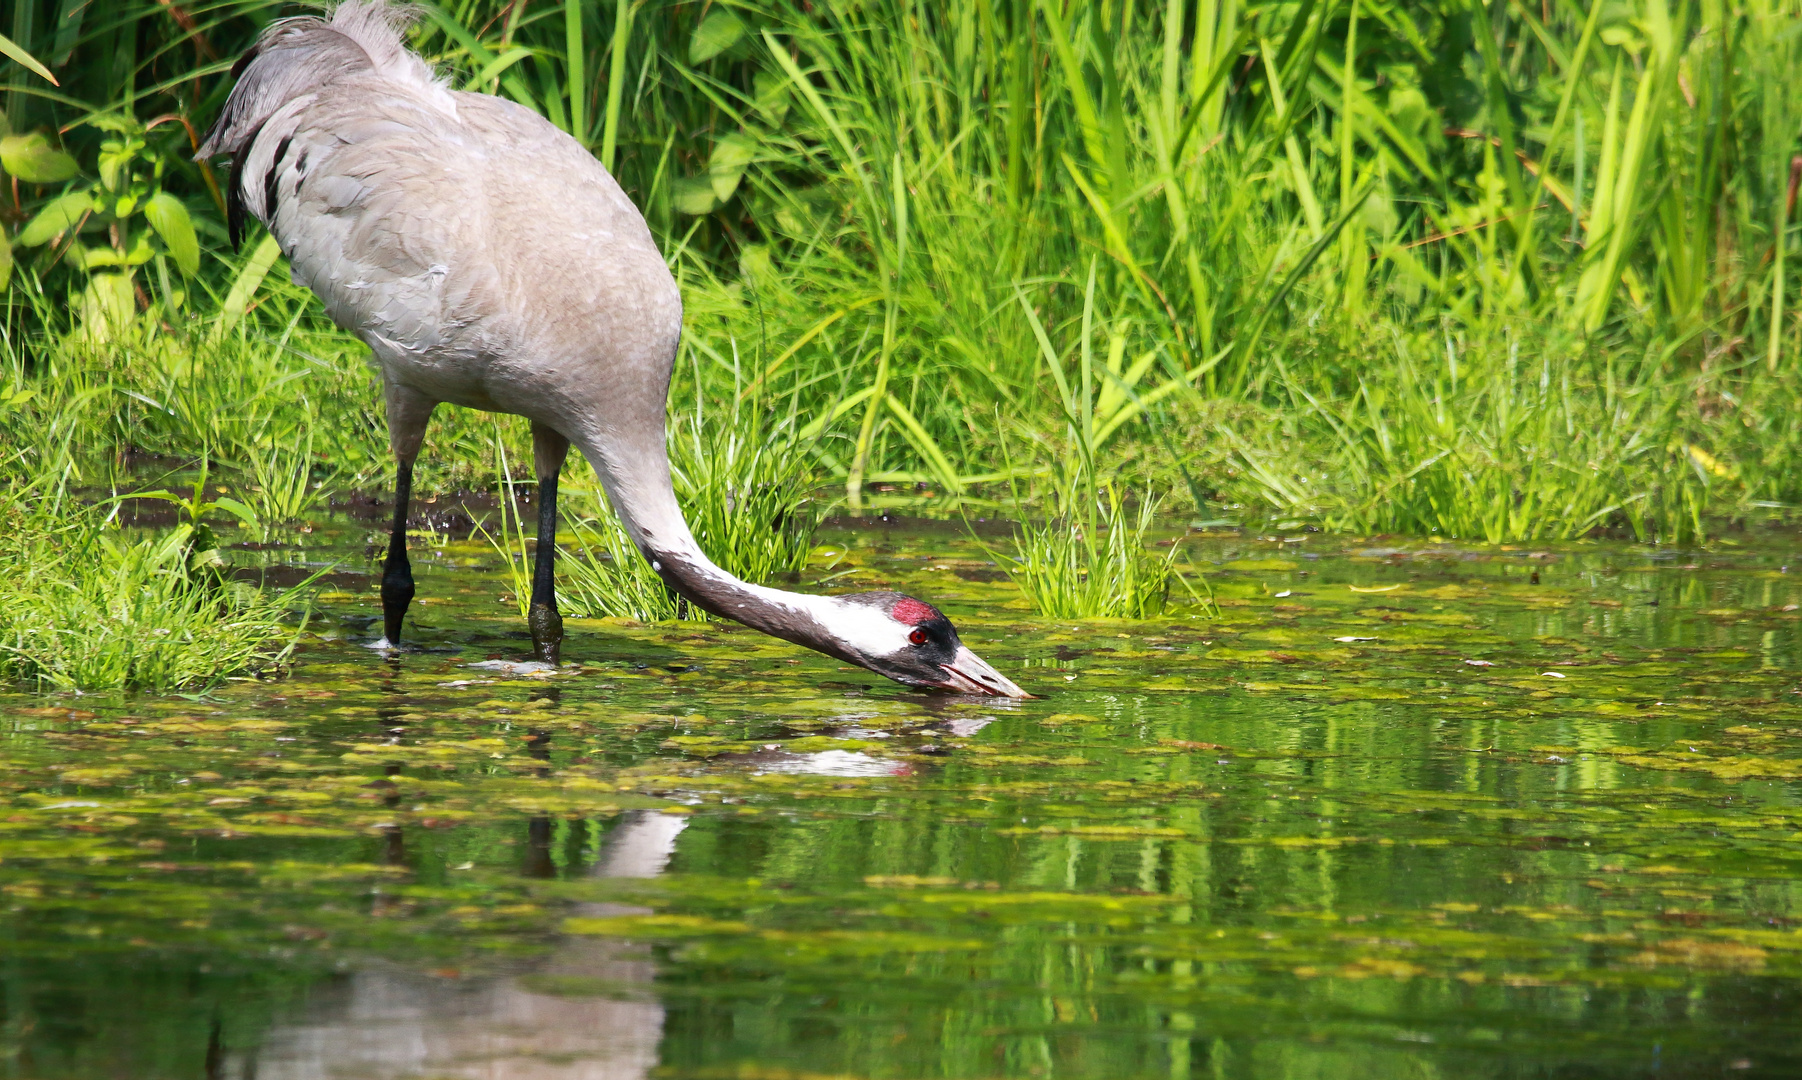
pixel 489 261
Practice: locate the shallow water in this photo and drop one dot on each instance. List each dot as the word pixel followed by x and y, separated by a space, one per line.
pixel 1404 809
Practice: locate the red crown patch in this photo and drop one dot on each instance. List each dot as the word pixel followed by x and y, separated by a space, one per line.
pixel 913 612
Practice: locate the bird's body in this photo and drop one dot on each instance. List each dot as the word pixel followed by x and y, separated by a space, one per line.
pixel 489 261
pixel 463 237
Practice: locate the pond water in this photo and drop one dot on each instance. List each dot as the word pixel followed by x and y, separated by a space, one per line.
pixel 1404 809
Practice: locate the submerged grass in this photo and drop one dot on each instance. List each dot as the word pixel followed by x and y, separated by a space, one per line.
pixel 1314 752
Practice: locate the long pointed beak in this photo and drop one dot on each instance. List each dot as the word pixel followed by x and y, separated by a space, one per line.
pixel 970 674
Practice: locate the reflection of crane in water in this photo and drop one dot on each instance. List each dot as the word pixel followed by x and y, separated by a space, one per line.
pixel 390 1023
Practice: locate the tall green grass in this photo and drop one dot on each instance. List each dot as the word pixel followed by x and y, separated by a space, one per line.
pixel 1289 206
pixel 85 608
pixel 1089 558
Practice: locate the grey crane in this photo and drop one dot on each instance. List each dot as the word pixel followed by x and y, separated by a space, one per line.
pixel 489 261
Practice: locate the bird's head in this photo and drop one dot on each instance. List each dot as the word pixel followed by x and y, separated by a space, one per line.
pixel 908 640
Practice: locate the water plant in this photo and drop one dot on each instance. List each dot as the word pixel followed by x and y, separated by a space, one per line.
pixel 1089 558
pixel 85 605
pixel 197 505
pixel 194 877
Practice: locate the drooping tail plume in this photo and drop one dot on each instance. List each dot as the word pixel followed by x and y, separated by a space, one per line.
pixel 296 56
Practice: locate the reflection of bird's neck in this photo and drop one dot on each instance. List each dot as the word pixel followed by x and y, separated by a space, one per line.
pixel 641 846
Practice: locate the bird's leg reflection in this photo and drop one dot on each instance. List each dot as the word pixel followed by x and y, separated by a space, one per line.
pixel 538 861
pixel 387 1022
pixel 575 846
pixel 391 729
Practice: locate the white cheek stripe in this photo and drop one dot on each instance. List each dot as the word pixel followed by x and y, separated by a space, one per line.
pixel 869 630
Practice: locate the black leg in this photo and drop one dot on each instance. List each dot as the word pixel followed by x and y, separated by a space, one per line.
pixel 542 617
pixel 548 451
pixel 397 572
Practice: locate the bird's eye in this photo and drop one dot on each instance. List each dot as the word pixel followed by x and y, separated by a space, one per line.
pixel 918 637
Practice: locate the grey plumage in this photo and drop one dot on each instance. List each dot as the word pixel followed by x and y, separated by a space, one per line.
pixel 302 54
pixel 489 261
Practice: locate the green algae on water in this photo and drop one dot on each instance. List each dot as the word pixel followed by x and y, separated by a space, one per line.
pixel 1388 831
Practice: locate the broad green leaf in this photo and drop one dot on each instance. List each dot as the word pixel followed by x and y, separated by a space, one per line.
pixel 250 277
pixel 32 159
pixel 107 305
pixel 95 258
pixel 169 218
pixel 98 257
pixel 719 31
pixel 726 165
pixel 772 96
pixel 693 195
pixel 54 219
pixel 234 508
pixel 113 160
pixel 118 123
pixel 14 52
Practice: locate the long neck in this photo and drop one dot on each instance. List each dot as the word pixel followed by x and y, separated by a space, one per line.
pixel 639 487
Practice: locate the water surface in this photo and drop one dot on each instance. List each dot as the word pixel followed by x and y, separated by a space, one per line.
pixel 1401 809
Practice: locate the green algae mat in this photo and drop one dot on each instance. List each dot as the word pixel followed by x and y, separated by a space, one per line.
pixel 1393 809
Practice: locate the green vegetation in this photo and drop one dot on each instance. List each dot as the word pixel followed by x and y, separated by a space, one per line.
pixel 84 605
pixel 1499 272
pixel 87 604
pixel 1488 272
pixel 1089 558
